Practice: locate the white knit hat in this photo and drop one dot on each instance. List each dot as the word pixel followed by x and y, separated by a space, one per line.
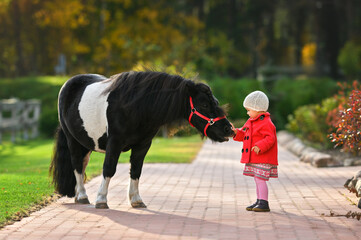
pixel 257 101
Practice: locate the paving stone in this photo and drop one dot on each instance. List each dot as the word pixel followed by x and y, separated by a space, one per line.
pixel 205 200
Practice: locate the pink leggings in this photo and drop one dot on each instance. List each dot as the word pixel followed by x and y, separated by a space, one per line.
pixel 262 189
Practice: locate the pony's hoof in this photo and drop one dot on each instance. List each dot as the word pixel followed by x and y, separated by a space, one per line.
pixel 138 205
pixel 101 206
pixel 82 201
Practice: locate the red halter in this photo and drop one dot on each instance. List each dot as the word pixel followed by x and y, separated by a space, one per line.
pixel 210 121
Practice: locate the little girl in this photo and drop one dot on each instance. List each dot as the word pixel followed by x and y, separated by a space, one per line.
pixel 259 151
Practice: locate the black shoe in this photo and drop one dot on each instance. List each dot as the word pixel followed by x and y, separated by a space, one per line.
pixel 262 206
pixel 250 208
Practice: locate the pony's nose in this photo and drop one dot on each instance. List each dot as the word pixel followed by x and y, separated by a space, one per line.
pixel 227 130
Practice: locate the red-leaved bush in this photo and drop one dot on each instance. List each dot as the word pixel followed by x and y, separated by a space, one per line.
pixel 347 120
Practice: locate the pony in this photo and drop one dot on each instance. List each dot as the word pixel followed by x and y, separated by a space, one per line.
pixel 122 113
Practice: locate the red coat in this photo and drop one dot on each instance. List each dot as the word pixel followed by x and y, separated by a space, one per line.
pixel 259 132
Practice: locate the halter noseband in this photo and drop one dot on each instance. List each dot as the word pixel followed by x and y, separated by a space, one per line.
pixel 210 121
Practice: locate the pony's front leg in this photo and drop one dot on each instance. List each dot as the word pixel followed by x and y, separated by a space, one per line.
pixel 136 161
pixel 133 193
pixel 109 168
pixel 101 201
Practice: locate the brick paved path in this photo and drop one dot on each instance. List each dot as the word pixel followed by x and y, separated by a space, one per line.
pixel 205 200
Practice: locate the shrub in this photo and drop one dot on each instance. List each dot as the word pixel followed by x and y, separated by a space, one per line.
pixel 349 60
pixel 334 116
pixel 309 122
pixel 337 118
pixel 289 94
pixel 348 133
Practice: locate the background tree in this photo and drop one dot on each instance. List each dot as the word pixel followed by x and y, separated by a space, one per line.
pixel 232 38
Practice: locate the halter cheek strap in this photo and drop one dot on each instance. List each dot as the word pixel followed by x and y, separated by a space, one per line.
pixel 210 121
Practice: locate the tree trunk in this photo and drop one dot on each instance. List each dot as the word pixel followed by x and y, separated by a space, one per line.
pixel 16 18
pixel 300 23
pixel 328 45
pixel 200 8
pixel 255 58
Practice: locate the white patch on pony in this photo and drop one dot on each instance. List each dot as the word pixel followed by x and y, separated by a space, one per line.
pixel 79 188
pixel 133 192
pixel 103 191
pixel 92 109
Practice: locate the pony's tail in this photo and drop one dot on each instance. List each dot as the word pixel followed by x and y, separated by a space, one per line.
pixel 61 168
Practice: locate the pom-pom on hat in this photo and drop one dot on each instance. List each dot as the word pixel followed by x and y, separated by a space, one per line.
pixel 257 101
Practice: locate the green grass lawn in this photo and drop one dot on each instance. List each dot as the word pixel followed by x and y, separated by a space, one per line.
pixel 24 179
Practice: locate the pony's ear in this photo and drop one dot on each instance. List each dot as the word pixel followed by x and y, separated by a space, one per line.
pixel 192 88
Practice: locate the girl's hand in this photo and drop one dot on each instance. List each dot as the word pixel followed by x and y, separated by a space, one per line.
pixel 256 149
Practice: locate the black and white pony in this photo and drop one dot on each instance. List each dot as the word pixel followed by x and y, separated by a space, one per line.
pixel 124 113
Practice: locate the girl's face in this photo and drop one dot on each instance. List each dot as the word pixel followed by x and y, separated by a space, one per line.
pixel 252 113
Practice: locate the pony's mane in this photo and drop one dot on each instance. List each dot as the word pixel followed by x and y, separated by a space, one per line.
pixel 151 94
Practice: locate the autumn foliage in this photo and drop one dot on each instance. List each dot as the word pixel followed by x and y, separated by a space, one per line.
pixel 347 119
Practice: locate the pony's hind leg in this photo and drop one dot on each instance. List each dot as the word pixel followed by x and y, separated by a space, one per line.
pixel 79 160
pixel 81 196
pixel 136 161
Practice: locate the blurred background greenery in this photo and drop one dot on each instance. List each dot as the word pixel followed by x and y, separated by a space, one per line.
pixel 228 38
pixel 295 51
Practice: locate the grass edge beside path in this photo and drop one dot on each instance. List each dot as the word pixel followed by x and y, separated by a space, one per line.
pixel 25 186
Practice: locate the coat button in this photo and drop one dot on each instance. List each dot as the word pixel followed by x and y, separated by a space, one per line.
pixel 242 150
pixel 246 150
pixel 247 137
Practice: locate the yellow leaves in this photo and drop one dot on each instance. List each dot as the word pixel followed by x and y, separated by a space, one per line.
pixel 75 46
pixel 147 14
pixel 115 34
pixel 309 54
pixel 147 33
pixel 59 13
pixel 188 70
pixel 81 48
pixel 4 4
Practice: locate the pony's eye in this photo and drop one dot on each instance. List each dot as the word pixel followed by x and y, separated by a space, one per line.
pixel 205 105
